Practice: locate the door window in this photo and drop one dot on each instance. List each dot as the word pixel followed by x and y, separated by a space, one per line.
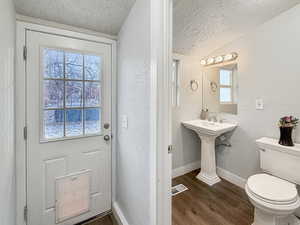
pixel 71 94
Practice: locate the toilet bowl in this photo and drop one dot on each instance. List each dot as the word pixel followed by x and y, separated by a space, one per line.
pixel 274 193
pixel 275 200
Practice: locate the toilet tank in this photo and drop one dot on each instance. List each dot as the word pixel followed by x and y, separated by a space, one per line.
pixel 280 161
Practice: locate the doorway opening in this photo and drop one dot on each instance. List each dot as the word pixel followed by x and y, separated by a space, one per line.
pixel 66 91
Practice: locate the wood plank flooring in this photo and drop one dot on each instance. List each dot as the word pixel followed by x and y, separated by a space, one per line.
pixel 221 204
pixel 106 220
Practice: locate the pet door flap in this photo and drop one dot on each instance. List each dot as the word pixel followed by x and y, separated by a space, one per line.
pixel 72 195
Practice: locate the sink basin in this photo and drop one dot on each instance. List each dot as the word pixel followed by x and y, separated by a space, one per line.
pixel 208 132
pixel 204 127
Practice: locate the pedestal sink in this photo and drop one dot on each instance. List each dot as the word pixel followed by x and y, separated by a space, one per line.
pixel 208 132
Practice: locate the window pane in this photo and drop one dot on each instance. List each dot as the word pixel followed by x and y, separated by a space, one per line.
pixel 175 83
pixel 92 94
pixel 74 66
pixel 92 68
pixel 53 94
pixel 174 70
pixel 225 77
pixel 53 124
pixel 53 63
pixel 74 93
pixel 92 121
pixel 74 122
pixel 225 95
pixel 65 94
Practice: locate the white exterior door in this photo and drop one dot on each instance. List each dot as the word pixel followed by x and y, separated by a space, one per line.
pixel 68 113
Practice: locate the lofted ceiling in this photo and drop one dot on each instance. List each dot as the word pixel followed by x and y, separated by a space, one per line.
pixel 106 16
pixel 202 26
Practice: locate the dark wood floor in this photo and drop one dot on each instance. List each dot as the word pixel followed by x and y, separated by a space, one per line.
pixel 106 220
pixel 221 204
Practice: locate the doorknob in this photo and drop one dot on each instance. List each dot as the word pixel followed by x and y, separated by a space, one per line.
pixel 106 138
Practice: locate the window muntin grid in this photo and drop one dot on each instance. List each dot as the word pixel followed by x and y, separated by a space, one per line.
pixel 71 96
pixel 226 86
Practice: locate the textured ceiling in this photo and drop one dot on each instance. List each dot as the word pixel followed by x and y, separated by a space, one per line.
pixel 202 26
pixel 106 16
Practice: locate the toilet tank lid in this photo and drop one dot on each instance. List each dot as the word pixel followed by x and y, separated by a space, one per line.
pixel 272 144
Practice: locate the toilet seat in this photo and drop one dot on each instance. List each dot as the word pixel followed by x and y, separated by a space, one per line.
pixel 272 190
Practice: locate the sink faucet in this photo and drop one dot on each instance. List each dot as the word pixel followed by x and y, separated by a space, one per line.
pixel 213 116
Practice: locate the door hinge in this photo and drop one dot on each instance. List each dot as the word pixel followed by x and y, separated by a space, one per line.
pixel 170 149
pixel 25 133
pixel 25 53
pixel 25 213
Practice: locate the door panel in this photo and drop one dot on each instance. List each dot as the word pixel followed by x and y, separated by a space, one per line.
pixel 68 101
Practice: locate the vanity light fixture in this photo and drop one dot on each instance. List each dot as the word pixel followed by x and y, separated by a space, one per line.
pixel 219 59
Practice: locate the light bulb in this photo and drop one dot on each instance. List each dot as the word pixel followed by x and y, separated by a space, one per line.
pixel 203 62
pixel 228 57
pixel 210 61
pixel 219 59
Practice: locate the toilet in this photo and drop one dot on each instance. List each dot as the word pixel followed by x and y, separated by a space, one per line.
pixel 274 193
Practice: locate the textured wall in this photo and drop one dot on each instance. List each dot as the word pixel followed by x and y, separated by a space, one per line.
pixel 185 142
pixel 133 169
pixel 268 67
pixel 7 151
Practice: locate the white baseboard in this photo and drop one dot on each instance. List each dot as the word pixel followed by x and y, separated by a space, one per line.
pixel 118 214
pixel 231 177
pixel 185 169
pixel 226 175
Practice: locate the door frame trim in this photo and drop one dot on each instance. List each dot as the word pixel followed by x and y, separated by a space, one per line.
pixel 20 109
pixel 161 138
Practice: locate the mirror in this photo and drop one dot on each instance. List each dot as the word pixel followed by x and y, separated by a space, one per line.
pixel 220 89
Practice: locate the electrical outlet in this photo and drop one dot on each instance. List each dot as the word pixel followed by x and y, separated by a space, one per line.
pixel 259 104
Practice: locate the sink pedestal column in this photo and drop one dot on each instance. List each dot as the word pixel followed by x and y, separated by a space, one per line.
pixel 208 172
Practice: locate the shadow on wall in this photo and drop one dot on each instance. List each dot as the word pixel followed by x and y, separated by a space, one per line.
pixel 239 155
pixel 190 140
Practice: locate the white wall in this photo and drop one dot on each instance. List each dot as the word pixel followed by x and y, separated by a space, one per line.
pixel 185 142
pixel 269 68
pixel 133 164
pixel 7 152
